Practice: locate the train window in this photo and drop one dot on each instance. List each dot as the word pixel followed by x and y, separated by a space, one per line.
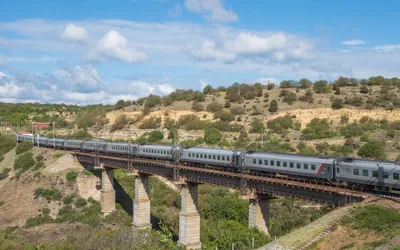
pixel 338 170
pixel 305 165
pixel 374 173
pixel 223 157
pixel 285 164
pixel 266 162
pixel 312 166
pixel 355 171
pixel 259 161
pixel 227 158
pixel 209 156
pixel 298 165
pixel 254 161
pixel 365 172
pixel 385 175
pixel 201 156
pixel 272 163
pixel 197 155
pixel 189 155
pixel 396 176
pixel 218 157
pixel 213 157
pixel 278 163
pixel 291 164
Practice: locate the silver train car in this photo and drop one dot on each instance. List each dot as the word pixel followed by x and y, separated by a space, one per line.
pixel 209 156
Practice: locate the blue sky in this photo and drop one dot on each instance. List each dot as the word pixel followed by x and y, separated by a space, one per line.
pixel 101 51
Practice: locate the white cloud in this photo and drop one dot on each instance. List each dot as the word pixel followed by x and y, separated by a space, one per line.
pixel 75 33
pixel 115 46
pixel 212 9
pixel 176 11
pixel 145 88
pixel 266 80
pixel 387 47
pixel 276 46
pixel 3 42
pixel 353 42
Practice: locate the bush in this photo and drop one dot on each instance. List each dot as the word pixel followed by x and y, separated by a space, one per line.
pixel 257 126
pixel 273 106
pixel 23 147
pixel 373 149
pixel 6 144
pixel 69 199
pixel 71 175
pixel 225 116
pixel 212 135
pixel 214 107
pixel 1 203
pixel 192 122
pixel 119 123
pixel 227 104
pixel 307 97
pixel 337 103
pixel 270 86
pixel 317 129
pixel 38 166
pixel 280 124
pixel 151 123
pixel 364 89
pixel 155 136
pixel 80 202
pixel 288 96
pixel 49 194
pixel 196 106
pixel 321 87
pixel 355 101
pixel 237 110
pixel 24 162
pixel 39 158
pixel 152 101
pixel 4 173
pixel 80 135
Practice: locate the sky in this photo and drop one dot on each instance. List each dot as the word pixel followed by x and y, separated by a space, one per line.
pixel 100 51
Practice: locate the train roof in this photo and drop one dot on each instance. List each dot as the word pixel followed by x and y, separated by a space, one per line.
pixel 210 150
pixel 286 155
pixel 156 146
pixel 362 161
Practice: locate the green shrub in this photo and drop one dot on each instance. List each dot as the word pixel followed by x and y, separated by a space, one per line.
pixel 237 110
pixel 317 129
pixel 71 175
pixel 197 106
pixel 257 125
pixel 214 107
pixel 321 86
pixel 49 194
pixel 280 124
pixel 337 103
pixel 288 96
pixel 23 147
pixel 273 106
pixel 155 136
pixel 38 165
pixel 39 158
pixel 24 162
pixel 4 173
pixel 6 144
pixel 1 203
pixel 373 149
pixel 80 135
pixel 80 202
pixel 212 135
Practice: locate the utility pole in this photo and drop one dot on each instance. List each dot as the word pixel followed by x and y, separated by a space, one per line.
pixel 33 136
pixel 262 139
pixel 54 138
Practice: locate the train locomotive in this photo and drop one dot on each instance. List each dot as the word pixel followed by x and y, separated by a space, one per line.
pixel 361 172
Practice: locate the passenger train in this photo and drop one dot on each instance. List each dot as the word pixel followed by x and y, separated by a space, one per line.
pixel 367 173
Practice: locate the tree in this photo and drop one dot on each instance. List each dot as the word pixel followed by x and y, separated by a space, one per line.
pixel 120 104
pixel 373 149
pixel 270 86
pixel 257 125
pixel 212 135
pixel 155 136
pixel 23 147
pixel 152 101
pixel 207 89
pixel 305 83
pixel 273 106
pixel 120 123
pixel 307 97
pixel 364 89
pixel 337 103
pixel 287 84
pixel 243 139
pixel 214 107
pixel 227 104
pixel 321 86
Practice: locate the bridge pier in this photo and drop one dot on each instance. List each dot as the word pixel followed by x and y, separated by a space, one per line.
pixel 259 212
pixel 189 218
pixel 141 203
pixel 107 196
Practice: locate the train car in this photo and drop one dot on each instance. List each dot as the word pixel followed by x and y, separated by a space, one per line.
pixel 121 148
pixel 41 141
pixel 296 165
pixel 55 142
pixel 371 173
pixel 94 145
pixel 209 156
pixel 73 144
pixel 157 151
pixel 25 138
